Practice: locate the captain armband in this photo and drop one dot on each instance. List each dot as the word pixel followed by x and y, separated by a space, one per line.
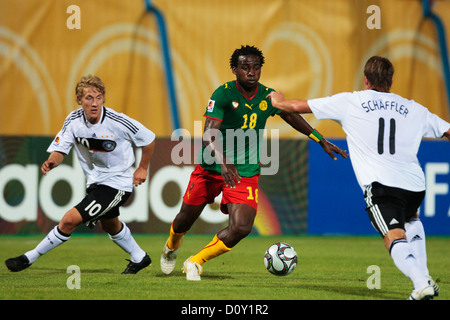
pixel 316 136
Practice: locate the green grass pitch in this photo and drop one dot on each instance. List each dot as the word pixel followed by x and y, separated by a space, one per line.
pixel 330 268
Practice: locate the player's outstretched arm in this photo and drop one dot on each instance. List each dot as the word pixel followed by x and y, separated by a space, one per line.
pixel 52 162
pixel 141 173
pixel 290 114
pixel 299 123
pixel 293 105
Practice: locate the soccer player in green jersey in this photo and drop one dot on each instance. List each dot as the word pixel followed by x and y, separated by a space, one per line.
pixel 235 118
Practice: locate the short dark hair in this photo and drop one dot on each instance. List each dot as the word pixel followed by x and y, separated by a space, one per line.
pixel 245 51
pixel 379 72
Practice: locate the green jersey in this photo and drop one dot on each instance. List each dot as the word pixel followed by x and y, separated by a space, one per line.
pixel 242 129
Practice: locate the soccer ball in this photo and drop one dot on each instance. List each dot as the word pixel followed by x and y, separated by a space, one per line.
pixel 280 259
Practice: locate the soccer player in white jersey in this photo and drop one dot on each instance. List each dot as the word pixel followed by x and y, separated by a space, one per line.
pixel 103 141
pixel 384 132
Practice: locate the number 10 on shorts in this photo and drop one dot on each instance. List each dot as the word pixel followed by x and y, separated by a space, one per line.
pixel 93 208
pixel 251 195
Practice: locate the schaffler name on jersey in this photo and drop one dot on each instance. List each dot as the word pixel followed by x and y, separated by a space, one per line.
pixel 373 105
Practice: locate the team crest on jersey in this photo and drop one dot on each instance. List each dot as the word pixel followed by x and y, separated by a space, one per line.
pixel 109 145
pixel 189 191
pixel 211 104
pixel 263 105
pixel 235 104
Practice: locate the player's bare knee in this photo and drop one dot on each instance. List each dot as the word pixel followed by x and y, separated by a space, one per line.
pixel 71 220
pixel 67 224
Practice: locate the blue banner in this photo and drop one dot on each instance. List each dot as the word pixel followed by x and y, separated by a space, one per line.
pixel 336 203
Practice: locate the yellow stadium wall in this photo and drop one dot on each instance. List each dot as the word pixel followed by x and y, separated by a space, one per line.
pixel 313 48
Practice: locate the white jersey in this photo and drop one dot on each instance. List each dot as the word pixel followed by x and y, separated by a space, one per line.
pixel 104 149
pixel 384 132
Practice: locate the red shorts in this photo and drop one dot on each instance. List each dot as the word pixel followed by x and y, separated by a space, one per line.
pixel 205 185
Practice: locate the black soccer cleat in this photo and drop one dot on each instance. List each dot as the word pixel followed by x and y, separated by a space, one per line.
pixel 18 263
pixel 134 267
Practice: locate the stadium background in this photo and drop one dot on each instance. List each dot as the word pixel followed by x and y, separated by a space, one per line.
pixel 312 48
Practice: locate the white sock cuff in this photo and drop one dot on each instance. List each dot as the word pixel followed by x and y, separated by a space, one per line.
pixel 399 243
pixel 57 234
pixel 411 223
pixel 53 239
pixel 121 234
pixel 414 228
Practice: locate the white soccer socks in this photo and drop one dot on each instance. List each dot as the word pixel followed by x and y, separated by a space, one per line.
pixel 415 234
pixel 53 239
pixel 403 255
pixel 125 240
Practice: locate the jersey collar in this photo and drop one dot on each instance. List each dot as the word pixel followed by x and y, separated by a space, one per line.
pixel 243 94
pixel 103 114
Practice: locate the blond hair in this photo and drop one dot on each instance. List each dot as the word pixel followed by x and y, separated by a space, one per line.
pixel 89 81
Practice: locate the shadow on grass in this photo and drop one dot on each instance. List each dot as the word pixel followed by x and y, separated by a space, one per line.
pixel 358 293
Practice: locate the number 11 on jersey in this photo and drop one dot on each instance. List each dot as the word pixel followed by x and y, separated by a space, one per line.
pixel 381 127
